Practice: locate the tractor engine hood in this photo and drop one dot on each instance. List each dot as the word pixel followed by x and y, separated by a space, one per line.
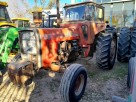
pixel 73 25
pixel 58 34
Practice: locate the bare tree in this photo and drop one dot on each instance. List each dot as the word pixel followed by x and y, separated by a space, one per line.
pixel 125 17
pixel 51 4
pixel 43 2
pixel 36 3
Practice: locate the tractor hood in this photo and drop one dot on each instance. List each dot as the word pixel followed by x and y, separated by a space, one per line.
pixel 58 33
pixel 7 24
pixel 72 24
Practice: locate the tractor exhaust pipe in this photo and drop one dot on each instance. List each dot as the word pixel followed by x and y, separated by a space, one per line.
pixel 58 13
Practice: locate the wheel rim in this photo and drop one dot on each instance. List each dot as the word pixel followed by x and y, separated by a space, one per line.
pixel 79 84
pixel 113 49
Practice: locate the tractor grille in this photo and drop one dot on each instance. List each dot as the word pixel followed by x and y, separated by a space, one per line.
pixel 28 42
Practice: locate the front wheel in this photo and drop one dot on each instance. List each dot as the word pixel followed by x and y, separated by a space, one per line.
pixel 73 83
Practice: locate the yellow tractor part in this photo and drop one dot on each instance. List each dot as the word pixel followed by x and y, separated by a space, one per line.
pixel 37 17
pixel 24 21
pixel 3 4
pixel 7 24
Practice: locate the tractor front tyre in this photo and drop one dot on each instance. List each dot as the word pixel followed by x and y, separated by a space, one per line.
pixel 124 45
pixel 131 71
pixel 106 50
pixel 73 83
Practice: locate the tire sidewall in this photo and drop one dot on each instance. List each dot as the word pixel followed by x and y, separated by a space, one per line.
pixel 72 96
pixel 131 71
pixel 111 62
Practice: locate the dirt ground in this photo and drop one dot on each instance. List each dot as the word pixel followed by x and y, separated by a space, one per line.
pixel 101 85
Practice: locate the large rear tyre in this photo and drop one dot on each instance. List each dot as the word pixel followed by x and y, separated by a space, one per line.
pixel 124 45
pixel 133 43
pixel 106 51
pixel 73 83
pixel 131 71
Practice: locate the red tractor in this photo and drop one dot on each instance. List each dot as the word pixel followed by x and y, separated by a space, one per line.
pixel 82 32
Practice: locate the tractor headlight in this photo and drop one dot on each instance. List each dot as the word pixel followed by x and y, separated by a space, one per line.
pixel 28 42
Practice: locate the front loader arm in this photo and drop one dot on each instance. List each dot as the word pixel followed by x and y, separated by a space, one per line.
pixel 7 44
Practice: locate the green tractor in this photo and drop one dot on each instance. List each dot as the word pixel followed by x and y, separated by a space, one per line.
pixel 8 38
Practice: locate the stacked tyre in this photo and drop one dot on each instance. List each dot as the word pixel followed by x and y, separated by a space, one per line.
pixel 132 61
pixel 106 49
pixel 124 45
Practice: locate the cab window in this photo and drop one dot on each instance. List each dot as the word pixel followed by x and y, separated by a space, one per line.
pixel 89 10
pixel 100 14
pixel 20 23
pixel 85 31
pixel 26 24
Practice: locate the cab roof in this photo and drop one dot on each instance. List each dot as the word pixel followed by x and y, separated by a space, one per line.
pixel 3 3
pixel 23 19
pixel 82 3
pixel 38 10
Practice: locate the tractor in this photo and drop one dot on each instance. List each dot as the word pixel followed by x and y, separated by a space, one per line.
pixel 21 22
pixel 37 17
pixel 40 21
pixel 81 34
pixel 8 38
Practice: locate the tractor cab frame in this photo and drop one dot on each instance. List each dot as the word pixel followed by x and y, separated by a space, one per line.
pixel 4 16
pixel 89 11
pixel 21 22
pixel 49 22
pixel 37 18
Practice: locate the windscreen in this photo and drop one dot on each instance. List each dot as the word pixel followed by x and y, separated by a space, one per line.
pixel 75 13
pixel 37 15
pixel 4 14
pixel 26 24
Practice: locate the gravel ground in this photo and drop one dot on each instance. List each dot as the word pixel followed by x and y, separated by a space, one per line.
pixel 101 85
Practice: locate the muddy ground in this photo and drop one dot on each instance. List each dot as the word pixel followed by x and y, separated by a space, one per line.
pixel 101 85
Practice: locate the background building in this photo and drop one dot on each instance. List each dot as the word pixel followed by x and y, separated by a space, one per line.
pixel 118 12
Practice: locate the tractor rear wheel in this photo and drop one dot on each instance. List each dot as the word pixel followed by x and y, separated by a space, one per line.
pixel 73 83
pixel 133 43
pixel 131 71
pixel 106 50
pixel 124 45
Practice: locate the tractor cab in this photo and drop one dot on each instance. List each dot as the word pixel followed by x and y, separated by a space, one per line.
pixel 87 18
pixel 89 11
pixel 4 16
pixel 21 22
pixel 37 18
pixel 49 22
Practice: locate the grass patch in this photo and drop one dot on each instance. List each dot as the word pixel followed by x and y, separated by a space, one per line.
pixel 92 74
pixel 118 72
